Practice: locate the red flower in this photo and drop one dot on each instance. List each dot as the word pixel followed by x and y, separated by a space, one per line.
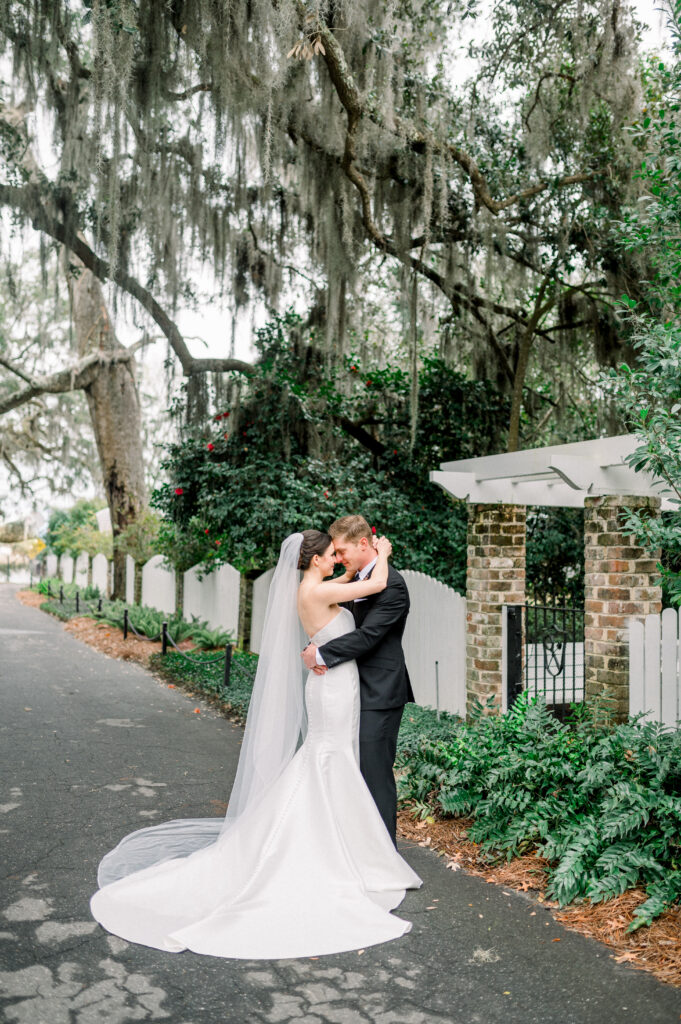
pixel 394 451
pixel 206 530
pixel 226 437
pixel 373 529
pixel 218 542
pixel 368 383
pixel 179 490
pixel 326 494
pixel 218 417
pixel 211 446
pixel 354 369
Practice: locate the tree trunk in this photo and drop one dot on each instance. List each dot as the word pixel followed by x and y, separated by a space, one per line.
pixel 115 412
pixel 517 394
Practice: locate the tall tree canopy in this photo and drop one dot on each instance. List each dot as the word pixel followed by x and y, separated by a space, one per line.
pixel 323 140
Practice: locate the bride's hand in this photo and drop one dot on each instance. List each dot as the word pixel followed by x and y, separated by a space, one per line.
pixel 384 547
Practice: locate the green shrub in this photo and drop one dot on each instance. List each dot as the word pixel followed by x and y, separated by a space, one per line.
pixel 141 618
pixel 601 804
pixel 147 621
pixel 205 673
pixel 51 585
pixel 210 639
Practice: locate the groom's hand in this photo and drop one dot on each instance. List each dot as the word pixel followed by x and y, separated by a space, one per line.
pixel 309 656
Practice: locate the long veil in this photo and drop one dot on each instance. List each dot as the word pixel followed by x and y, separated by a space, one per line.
pixel 275 726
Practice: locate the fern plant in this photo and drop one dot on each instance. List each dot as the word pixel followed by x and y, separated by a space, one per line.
pixel 601 804
pixel 209 639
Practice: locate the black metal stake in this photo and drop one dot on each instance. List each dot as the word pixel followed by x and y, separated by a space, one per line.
pixel 77 602
pixel 164 638
pixel 125 623
pixel 61 594
pixel 514 653
pixel 49 589
pixel 99 605
pixel 228 665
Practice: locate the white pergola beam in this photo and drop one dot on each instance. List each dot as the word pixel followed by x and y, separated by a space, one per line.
pixel 603 451
pixel 488 492
pixel 562 475
pixel 577 473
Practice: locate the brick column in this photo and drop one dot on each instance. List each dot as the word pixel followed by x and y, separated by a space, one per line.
pixel 495 576
pixel 618 584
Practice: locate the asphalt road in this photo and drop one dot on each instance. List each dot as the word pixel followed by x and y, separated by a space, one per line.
pixel 92 748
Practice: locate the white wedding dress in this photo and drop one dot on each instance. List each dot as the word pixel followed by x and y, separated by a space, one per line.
pixel 309 870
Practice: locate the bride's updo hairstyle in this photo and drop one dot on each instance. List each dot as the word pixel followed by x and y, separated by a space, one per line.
pixel 314 543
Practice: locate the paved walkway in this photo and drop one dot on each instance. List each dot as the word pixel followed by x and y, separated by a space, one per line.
pixel 92 748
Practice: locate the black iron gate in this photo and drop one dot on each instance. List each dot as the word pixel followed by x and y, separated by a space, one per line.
pixel 545 654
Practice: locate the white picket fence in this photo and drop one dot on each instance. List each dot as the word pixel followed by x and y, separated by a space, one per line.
pixel 655 667
pixel 213 599
pixel 158 585
pixel 261 590
pixel 434 639
pixel 435 643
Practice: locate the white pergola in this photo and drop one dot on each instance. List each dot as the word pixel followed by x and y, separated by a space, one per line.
pixel 562 475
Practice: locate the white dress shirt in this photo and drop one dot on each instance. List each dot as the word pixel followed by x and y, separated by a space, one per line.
pixel 361 575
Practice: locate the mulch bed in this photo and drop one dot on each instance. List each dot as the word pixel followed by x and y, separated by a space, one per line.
pixel 30 597
pixel 105 638
pixel 656 949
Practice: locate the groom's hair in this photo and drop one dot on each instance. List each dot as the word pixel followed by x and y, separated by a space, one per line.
pixel 353 528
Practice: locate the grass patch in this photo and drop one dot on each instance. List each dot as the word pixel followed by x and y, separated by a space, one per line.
pixel 204 675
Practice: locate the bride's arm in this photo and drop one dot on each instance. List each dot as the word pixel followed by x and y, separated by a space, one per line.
pixel 336 590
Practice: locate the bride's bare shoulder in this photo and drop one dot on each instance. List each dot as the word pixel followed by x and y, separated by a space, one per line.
pixel 314 607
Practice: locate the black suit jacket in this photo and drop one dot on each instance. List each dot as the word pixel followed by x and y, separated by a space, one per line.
pixel 376 644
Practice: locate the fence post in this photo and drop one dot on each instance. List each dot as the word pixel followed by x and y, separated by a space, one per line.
pixel 228 665
pixel 125 623
pixel 437 689
pixel 99 605
pixel 514 652
pixel 61 593
pixel 164 638
pixel 77 601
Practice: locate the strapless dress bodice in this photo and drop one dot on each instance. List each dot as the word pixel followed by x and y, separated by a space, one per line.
pixel 341 623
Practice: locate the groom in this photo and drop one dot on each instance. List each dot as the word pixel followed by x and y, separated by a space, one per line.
pixel 376 644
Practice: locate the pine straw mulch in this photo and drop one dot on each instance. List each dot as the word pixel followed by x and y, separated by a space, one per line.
pixel 656 949
pixel 103 637
pixel 30 597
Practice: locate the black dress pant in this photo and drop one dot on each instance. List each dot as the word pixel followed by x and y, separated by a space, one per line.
pixel 377 748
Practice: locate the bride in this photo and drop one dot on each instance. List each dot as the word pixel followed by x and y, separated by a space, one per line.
pixel 302 864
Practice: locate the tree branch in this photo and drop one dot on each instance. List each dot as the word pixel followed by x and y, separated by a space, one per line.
pixel 350 96
pixel 28 200
pixel 71 378
pixel 361 435
pixel 187 93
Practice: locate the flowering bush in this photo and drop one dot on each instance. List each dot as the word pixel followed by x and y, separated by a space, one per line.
pixel 310 443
